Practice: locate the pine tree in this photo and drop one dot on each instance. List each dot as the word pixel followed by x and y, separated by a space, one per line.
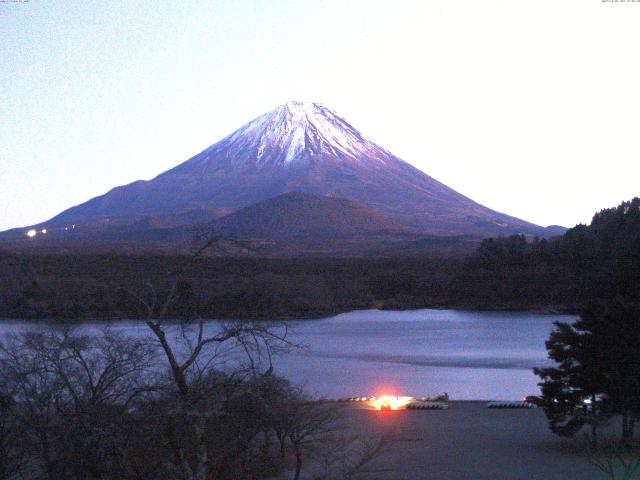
pixel 573 391
pixel 598 369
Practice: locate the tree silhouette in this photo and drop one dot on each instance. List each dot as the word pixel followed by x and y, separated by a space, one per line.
pixel 598 371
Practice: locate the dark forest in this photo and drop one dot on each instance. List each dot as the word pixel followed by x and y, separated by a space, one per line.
pixel 504 273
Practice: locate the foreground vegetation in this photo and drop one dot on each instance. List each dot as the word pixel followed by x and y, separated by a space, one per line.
pixel 597 371
pixel 107 406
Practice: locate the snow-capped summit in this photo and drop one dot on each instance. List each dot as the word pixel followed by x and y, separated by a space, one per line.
pixel 303 147
pixel 295 132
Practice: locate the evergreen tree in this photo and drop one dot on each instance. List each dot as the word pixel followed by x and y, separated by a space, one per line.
pixel 573 390
pixel 598 369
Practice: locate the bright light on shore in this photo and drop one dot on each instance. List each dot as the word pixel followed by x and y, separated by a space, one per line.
pixel 44 230
pixel 31 233
pixel 389 402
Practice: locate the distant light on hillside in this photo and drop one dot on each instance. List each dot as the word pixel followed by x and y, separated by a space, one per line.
pixel 44 230
pixel 31 233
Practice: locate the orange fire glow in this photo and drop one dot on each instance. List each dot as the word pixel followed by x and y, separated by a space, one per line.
pixel 389 402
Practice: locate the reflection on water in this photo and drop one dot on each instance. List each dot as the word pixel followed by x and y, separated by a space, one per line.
pixel 470 355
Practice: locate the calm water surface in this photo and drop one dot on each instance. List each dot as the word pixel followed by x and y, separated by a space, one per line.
pixel 470 355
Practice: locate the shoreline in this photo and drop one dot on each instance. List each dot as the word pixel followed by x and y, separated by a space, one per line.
pixel 557 310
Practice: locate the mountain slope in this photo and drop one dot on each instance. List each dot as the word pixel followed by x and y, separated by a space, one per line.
pixel 289 225
pixel 302 147
pixel 303 216
pixel 299 224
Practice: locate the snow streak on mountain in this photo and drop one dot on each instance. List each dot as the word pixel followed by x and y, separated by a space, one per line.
pixel 294 132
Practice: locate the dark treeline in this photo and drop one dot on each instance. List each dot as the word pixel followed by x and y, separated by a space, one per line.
pixel 504 273
pixel 111 407
pixel 586 264
pixel 597 371
pixel 103 286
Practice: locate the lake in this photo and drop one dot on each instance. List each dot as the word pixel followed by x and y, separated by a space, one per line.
pixel 470 355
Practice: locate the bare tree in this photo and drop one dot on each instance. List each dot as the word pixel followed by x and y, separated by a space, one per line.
pixel 70 393
pixel 193 352
pixel 320 438
pixel 95 405
pixel 10 461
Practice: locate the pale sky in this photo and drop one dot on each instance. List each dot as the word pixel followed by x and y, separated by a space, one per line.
pixel 529 107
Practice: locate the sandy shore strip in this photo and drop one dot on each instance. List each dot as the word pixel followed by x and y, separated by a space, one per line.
pixel 471 441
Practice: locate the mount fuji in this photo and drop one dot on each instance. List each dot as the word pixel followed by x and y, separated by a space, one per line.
pixel 297 147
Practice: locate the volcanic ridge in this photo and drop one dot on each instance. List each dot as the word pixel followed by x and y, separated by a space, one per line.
pixel 341 183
